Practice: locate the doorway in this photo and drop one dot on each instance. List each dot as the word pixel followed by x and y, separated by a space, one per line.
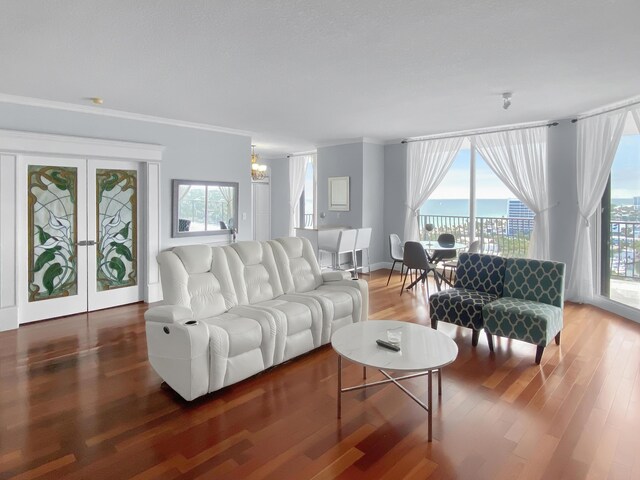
pixel 80 227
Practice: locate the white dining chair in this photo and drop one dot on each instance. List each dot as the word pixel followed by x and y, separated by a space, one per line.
pixel 363 240
pixel 345 242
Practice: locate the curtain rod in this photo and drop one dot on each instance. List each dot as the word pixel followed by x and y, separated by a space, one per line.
pixel 471 133
pixel 302 154
pixel 637 102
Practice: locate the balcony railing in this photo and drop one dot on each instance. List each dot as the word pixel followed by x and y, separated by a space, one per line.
pixel 624 249
pixel 505 236
pixel 510 236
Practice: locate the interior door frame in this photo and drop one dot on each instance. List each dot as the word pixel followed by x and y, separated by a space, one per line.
pixel 14 146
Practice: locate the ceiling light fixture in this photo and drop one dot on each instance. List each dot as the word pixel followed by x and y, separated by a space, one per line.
pixel 506 100
pixel 96 100
pixel 258 171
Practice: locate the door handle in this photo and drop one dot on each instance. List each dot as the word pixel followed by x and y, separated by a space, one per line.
pixel 85 243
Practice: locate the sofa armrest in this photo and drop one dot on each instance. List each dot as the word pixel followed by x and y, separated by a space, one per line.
pixel 168 314
pixel 335 276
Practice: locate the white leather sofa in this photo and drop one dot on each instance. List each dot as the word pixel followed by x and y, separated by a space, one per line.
pixel 231 312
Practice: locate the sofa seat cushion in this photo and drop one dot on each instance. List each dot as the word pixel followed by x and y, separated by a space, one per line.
pixel 525 320
pixel 459 306
pixel 337 305
pixel 298 316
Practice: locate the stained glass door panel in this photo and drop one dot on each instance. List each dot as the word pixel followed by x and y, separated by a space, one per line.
pixel 113 193
pixel 55 221
pixel 116 236
pixel 53 232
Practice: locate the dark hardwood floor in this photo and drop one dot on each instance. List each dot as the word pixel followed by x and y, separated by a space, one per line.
pixel 78 399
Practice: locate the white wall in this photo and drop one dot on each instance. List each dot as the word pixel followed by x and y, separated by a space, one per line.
pixel 189 154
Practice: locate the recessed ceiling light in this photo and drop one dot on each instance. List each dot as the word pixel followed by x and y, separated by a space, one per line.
pixel 96 100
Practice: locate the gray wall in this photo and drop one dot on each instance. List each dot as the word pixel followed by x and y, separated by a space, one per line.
pixel 279 197
pixel 395 192
pixel 189 154
pixel 340 161
pixel 563 189
pixel 373 195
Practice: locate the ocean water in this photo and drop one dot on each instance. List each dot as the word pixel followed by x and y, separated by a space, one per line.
pixel 485 207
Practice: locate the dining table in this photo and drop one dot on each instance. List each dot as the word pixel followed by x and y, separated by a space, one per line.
pixel 432 248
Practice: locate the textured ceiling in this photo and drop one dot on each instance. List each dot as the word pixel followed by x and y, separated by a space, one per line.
pixel 303 73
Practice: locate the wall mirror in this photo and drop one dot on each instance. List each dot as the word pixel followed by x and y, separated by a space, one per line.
pixel 204 208
pixel 339 194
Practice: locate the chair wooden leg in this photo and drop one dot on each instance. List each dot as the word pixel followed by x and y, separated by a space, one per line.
pixel 392 267
pixel 489 340
pixel 558 338
pixel 474 338
pixel 539 351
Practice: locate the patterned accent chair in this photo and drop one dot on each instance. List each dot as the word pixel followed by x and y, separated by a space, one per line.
pixel 531 308
pixel 479 280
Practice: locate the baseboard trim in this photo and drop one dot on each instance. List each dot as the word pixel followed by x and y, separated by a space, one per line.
pixel 612 306
pixel 8 318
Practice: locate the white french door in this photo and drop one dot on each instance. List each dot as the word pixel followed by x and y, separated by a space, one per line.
pixel 82 236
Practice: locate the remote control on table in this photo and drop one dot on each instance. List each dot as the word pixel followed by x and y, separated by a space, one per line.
pixel 388 345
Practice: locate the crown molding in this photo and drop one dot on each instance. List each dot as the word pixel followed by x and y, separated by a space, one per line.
pixel 106 112
pixel 16 141
pixel 349 141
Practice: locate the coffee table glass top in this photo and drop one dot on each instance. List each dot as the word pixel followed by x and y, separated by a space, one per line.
pixel 421 347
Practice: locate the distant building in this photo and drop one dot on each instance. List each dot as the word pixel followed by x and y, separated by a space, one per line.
pixel 636 203
pixel 523 218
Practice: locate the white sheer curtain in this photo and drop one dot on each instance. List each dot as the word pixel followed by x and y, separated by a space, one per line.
pixel 427 163
pixel 297 171
pixel 598 139
pixel 519 159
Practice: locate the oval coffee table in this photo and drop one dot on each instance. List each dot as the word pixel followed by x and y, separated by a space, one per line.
pixel 422 351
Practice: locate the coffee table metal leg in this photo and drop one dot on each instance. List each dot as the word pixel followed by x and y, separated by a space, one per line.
pixel 429 404
pixel 439 382
pixel 339 386
pixel 364 372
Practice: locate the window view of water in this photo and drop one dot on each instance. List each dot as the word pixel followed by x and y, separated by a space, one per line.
pixel 492 207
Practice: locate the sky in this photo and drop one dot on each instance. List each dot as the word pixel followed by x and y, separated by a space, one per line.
pixel 625 175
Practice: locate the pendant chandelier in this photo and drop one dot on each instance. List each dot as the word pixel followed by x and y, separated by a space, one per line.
pixel 258 171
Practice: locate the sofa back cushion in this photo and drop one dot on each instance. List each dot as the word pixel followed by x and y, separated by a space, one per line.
pixel 535 280
pixel 480 272
pixel 297 264
pixel 254 272
pixel 197 277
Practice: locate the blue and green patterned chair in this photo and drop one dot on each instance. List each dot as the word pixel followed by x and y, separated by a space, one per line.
pixel 531 306
pixel 479 280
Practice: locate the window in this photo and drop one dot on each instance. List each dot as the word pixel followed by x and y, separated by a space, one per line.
pixel 308 198
pixel 473 204
pixel 204 208
pixel 620 223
